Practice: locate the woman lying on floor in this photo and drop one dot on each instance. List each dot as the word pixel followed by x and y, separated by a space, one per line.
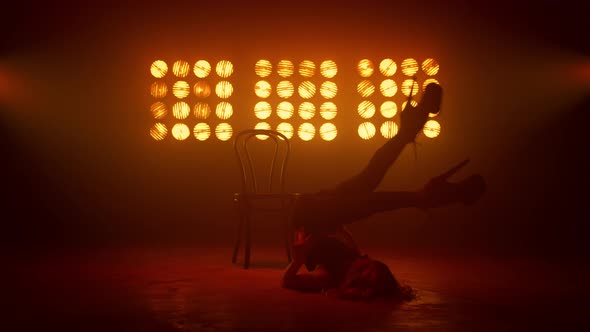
pixel 333 261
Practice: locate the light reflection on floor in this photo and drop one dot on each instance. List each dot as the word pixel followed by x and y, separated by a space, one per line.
pixel 199 290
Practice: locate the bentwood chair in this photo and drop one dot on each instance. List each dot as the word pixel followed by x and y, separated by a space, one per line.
pixel 262 158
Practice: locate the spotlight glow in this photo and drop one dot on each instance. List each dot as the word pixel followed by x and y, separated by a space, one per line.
pixel 306 89
pixel 202 89
pixel 262 110
pixel 387 67
pixel 181 68
pixel 263 68
pixel 224 89
pixel 262 125
pixel 158 90
pixel 223 131
pixel 410 85
pixel 307 68
pixel 262 89
pixel 159 110
pixel 202 110
pixel 181 89
pixel 285 89
pixel 328 131
pixel 388 88
pixel 158 131
pixel 285 68
pixel 202 131
pixel 306 131
pixel 328 69
pixel 224 110
pixel 410 67
pixel 366 130
pixel 431 129
pixel 306 110
pixel 159 69
pixel 430 67
pixel 286 129
pixel 285 110
pixel 366 109
pixel 365 68
pixel 365 88
pixel 202 69
pixel 388 109
pixel 389 129
pixel 328 110
pixel 328 90
pixel 224 68
pixel 181 110
pixel 180 131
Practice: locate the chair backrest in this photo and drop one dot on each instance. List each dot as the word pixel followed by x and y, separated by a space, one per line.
pixel 280 149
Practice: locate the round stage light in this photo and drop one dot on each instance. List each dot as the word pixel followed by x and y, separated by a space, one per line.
pixel 328 90
pixel 285 110
pixel 388 109
pixel 202 110
pixel 159 69
pixel 224 68
pixel 286 129
pixel 224 110
pixel 388 88
pixel 224 89
pixel 181 89
pixel 413 103
pixel 306 68
pixel 389 129
pixel 328 69
pixel 181 110
pixel 223 131
pixel 263 68
pixel 306 110
pixel 181 68
pixel 306 131
pixel 159 110
pixel 262 110
pixel 202 69
pixel 366 130
pixel 428 81
pixel 431 129
pixel 366 109
pixel 285 89
pixel 285 68
pixel 158 90
pixel 328 110
pixel 409 67
pixel 202 89
pixel 430 67
pixel 328 131
pixel 387 67
pixel 410 85
pixel 365 88
pixel 202 131
pixel 306 89
pixel 365 68
pixel 262 125
pixel 180 131
pixel 158 131
pixel 262 89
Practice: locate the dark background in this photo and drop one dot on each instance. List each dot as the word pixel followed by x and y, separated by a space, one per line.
pixel 80 169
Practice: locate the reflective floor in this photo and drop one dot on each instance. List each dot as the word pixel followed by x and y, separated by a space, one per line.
pixel 200 290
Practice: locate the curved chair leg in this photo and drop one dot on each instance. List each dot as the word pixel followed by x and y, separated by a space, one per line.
pixel 238 239
pixel 247 249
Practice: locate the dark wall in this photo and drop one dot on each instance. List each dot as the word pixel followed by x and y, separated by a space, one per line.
pixel 81 169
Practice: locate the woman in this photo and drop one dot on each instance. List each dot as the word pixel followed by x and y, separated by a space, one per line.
pixel 333 260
